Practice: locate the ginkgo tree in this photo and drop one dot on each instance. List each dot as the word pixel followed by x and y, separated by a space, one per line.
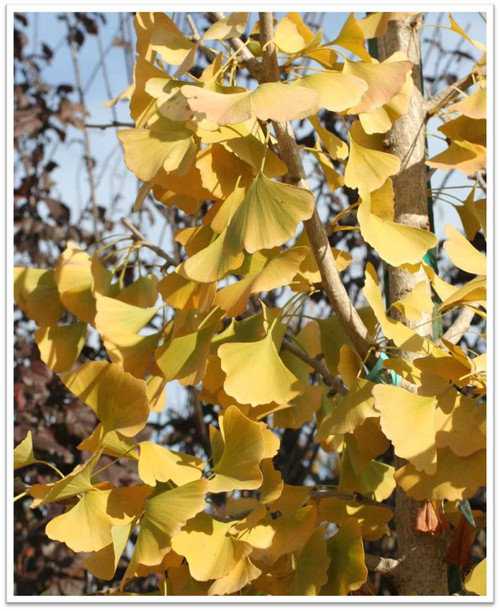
pixel 388 391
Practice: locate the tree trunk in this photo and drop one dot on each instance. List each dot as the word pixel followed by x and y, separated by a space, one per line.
pixel 421 570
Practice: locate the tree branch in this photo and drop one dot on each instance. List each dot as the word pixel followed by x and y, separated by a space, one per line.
pixel 143 241
pixel 332 283
pixel 460 326
pixel 441 99
pixel 317 365
pixel 108 125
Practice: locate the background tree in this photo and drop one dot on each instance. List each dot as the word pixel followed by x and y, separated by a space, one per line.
pixel 303 401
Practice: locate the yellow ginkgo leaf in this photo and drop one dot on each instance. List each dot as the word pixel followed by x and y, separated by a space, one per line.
pixel 300 410
pixel 467 157
pixel 407 420
pixel 368 168
pixel 35 292
pixel 457 477
pixel 268 215
pixel 181 293
pixel 291 533
pixel 371 519
pixel 475 581
pixel 462 253
pixel 111 444
pixel 184 358
pixel 291 499
pixel 23 453
pixel 384 80
pixel 361 474
pixel 166 512
pixel 169 42
pixel 103 563
pixel 416 302
pixel 337 148
pixel 473 106
pixel 292 36
pixel 60 346
pixel 118 399
pixel 231 26
pixel 403 337
pixel 352 38
pixel 337 91
pixel 147 150
pixel 370 438
pixel 380 120
pixel 115 318
pixel 350 411
pixel 134 353
pixel 238 458
pixel 269 101
pixel 180 582
pixel 272 484
pixel 460 424
pixel 274 272
pixel 456 28
pixel 242 573
pixel 211 263
pixel 350 365
pixel 471 293
pixel 142 293
pixel 374 25
pixel 159 464
pixel 471 215
pixel 210 550
pixel 221 171
pixel 396 243
pixel 347 570
pixel 255 374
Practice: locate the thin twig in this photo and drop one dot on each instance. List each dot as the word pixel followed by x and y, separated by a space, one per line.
pixel 143 241
pixel 317 365
pixel 441 99
pixel 88 153
pixel 108 125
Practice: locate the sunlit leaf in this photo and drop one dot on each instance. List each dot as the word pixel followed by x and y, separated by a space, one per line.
pixel 408 421
pixel 103 563
pixel 475 581
pixel 23 452
pixel 352 38
pixel 274 101
pixel 231 26
pixel 460 424
pixel 337 91
pixel 456 28
pixel 118 399
pixel 238 577
pixel 60 346
pixel 371 519
pixel 473 105
pixel 462 253
pixel 347 569
pixel 301 409
pixel 35 292
pixel 159 464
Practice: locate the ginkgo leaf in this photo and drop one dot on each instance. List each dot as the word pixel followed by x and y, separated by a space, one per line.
pixel 396 243
pixel 269 101
pixel 111 444
pixel 169 42
pixel 416 302
pixel 255 374
pixel 472 293
pixel 103 563
pixel 351 411
pixel 473 106
pixel 292 36
pixel 471 215
pixel 181 293
pixel 275 272
pixel 408 421
pixel 457 477
pixel 60 346
pixel 291 499
pixel 166 512
pixel 337 148
pixel 209 548
pixel 347 570
pixel 268 215
pixel 456 28
pixel 272 484
pixel 147 150
pixel 337 91
pixel 118 399
pixel 23 453
pixel 180 582
pixel 212 263
pixel 350 365
pixel 184 358
pixel 467 157
pixel 115 318
pixel 352 38
pixel 221 171
pixel 300 410
pixel 243 447
pixel 384 80
pixel 231 26
pixel 159 464
pixel 367 169
pixel 134 353
pixel 359 473
pixel 462 253
pixel 374 25
pixel 244 572
pixel 35 292
pixel 142 293
pixel 371 519
pixel 291 533
pixel 460 424
pixel 476 580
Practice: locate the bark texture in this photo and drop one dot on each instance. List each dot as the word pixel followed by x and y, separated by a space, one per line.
pixel 421 569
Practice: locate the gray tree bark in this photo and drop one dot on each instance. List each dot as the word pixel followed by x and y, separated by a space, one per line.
pixel 421 569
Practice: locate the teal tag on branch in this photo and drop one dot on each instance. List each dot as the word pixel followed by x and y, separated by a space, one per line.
pixel 380 375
